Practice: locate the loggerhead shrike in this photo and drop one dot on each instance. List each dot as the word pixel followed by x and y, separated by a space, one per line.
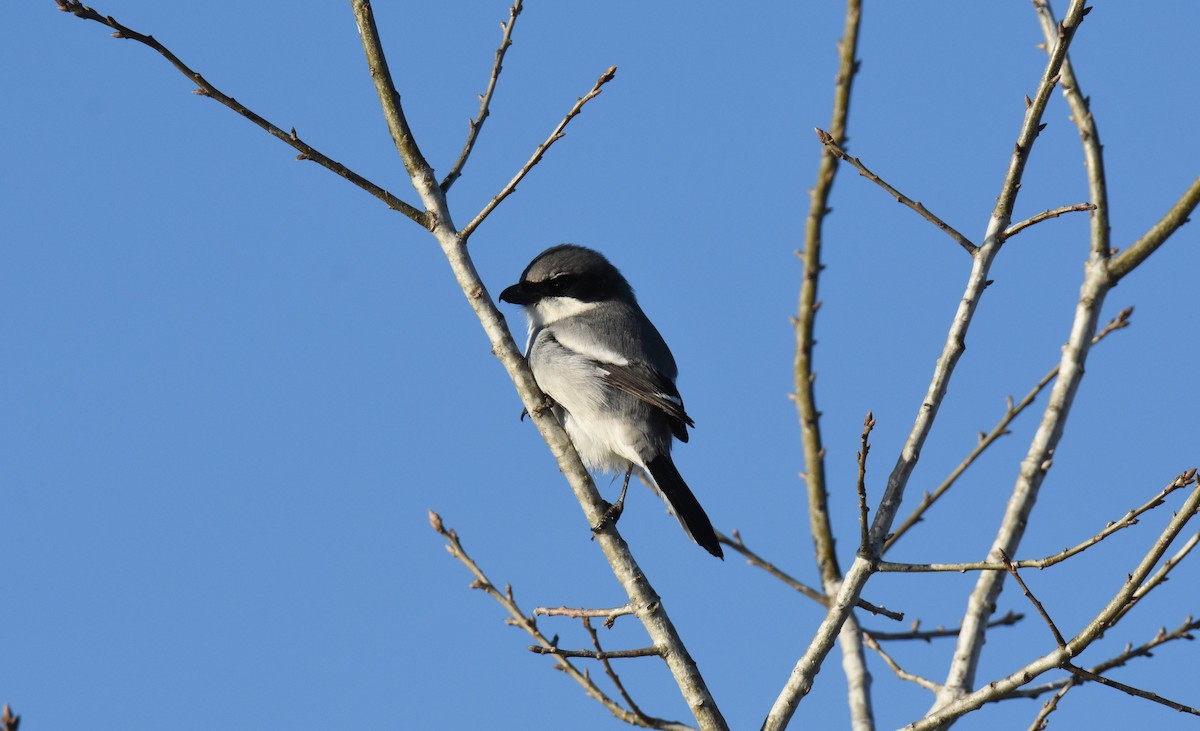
pixel 610 375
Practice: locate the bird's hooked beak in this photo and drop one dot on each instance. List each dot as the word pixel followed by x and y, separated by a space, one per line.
pixel 519 294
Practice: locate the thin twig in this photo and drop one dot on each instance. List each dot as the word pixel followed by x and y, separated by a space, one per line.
pixel 1009 618
pixel 555 136
pixel 1175 217
pixel 307 152
pixel 485 99
pixel 1089 135
pixel 576 613
pixel 1011 412
pixel 1182 632
pixel 1029 595
pixel 925 213
pixel 861 484
pixel 608 669
pixel 1050 706
pixel 596 654
pixel 1057 658
pixel 1017 228
pixel 1127 520
pixel 754 559
pixel 901 673
pixel 546 645
pixel 1160 576
pixel 1130 689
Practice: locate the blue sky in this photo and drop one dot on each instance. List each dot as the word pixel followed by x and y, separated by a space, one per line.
pixel 233 384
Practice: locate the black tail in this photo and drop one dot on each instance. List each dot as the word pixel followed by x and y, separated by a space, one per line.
pixel 684 504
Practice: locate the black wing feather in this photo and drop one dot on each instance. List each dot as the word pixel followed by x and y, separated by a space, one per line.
pixel 646 384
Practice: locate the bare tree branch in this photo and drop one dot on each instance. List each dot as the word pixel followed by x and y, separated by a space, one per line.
pixel 1060 656
pixel 1129 519
pixel 1009 618
pixel 1012 411
pixel 853 659
pixel 1017 228
pixel 1160 576
pixel 1182 632
pixel 754 559
pixel 389 98
pixel 1099 278
pixel 800 681
pixel 597 654
pixel 206 89
pixel 902 199
pixel 1041 610
pixel 861 483
pixel 485 99
pixel 1089 135
pixel 1171 221
pixel 805 321
pixel 558 133
pixel 609 615
pixel 545 646
pixel 608 670
pixel 1087 675
pixel 1039 721
pixel 900 672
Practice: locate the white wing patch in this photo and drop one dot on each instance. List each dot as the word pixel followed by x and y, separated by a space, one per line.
pixel 580 341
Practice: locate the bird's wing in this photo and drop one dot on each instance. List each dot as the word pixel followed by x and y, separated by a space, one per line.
pixel 636 377
pixel 646 384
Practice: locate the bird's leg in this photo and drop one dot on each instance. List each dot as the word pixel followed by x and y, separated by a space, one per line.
pixel 613 514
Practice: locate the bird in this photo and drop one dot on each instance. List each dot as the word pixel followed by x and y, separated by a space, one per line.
pixel 609 375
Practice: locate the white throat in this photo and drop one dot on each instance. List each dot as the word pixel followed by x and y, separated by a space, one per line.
pixel 550 310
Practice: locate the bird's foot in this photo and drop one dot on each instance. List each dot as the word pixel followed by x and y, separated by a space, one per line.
pixel 611 515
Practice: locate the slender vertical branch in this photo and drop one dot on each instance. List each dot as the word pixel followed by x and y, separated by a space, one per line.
pixel 800 681
pixel 485 99
pixel 861 484
pixel 389 98
pixel 854 661
pixel 1089 135
pixel 1099 278
pixel 805 322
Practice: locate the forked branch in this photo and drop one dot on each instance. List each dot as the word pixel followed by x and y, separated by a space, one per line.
pixel 555 136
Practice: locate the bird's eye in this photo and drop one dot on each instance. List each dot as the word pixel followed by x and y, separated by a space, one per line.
pixel 559 283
